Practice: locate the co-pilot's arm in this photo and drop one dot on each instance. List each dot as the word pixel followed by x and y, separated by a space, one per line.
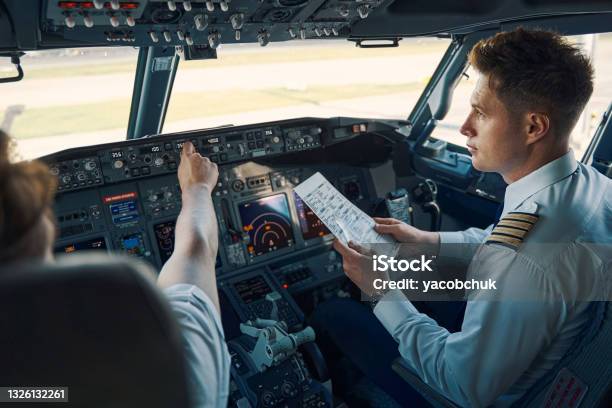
pixel 497 342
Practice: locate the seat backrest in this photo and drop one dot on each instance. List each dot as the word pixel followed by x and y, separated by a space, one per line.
pixel 586 368
pixel 95 324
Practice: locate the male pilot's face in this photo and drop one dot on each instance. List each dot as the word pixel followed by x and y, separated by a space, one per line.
pixel 494 135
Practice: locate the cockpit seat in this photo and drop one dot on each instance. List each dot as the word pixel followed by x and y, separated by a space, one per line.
pixel 96 325
pixel 586 368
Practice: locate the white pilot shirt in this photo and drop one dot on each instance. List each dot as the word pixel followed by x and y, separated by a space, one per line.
pixel 207 358
pixel 504 347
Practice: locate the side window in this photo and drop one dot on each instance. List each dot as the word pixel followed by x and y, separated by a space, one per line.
pixel 597 46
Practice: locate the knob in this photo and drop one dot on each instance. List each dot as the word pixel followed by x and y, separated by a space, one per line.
pixel 214 39
pixel 224 6
pixel 154 37
pixel 201 22
pixel 98 4
pixel 171 5
pixel 115 4
pixel 237 21
pixel 70 21
pixel 130 21
pixel 153 197
pixel 90 165
pixel 210 6
pixel 300 140
pixel 114 21
pixel 263 38
pixel 66 179
pixel 167 36
pixel 188 39
pixel 88 21
pixel 54 171
pixel 275 139
pixel 168 195
pixel 118 164
pixel 215 149
pixel 187 5
pixel 363 11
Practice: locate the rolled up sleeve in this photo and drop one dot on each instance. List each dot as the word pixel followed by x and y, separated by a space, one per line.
pixel 206 354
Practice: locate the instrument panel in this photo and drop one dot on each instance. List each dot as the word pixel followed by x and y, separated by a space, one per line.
pixel 125 197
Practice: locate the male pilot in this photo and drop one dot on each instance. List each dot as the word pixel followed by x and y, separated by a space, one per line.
pixel 532 87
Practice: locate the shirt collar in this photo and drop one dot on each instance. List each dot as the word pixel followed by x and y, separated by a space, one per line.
pixel 550 173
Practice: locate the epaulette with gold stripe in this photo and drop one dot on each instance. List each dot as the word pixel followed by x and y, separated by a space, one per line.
pixel 512 229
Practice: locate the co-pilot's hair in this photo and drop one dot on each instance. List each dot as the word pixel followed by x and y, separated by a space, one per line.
pixel 539 71
pixel 27 189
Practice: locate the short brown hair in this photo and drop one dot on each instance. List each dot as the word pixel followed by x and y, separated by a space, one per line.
pixel 537 70
pixel 27 189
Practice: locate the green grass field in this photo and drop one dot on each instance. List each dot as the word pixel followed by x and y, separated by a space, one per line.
pixel 61 120
pixel 280 55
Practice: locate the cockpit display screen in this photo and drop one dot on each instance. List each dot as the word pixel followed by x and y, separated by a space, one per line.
pixel 310 224
pixel 252 289
pixel 90 244
pixel 164 236
pixel 268 223
pixel 123 208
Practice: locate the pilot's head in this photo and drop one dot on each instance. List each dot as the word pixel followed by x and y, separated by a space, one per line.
pixel 532 87
pixel 27 229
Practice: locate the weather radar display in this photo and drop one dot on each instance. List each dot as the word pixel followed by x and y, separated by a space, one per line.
pixel 267 223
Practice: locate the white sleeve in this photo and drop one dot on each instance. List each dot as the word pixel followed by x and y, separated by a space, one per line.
pixel 497 342
pixel 206 354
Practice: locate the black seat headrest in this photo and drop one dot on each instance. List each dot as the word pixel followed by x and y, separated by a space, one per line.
pixel 95 324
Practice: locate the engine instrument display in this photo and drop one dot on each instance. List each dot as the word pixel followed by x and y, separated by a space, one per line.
pixel 310 224
pixel 90 244
pixel 164 235
pixel 268 224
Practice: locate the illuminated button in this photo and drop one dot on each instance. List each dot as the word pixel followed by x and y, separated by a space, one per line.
pixel 114 21
pixel 88 21
pixel 70 21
